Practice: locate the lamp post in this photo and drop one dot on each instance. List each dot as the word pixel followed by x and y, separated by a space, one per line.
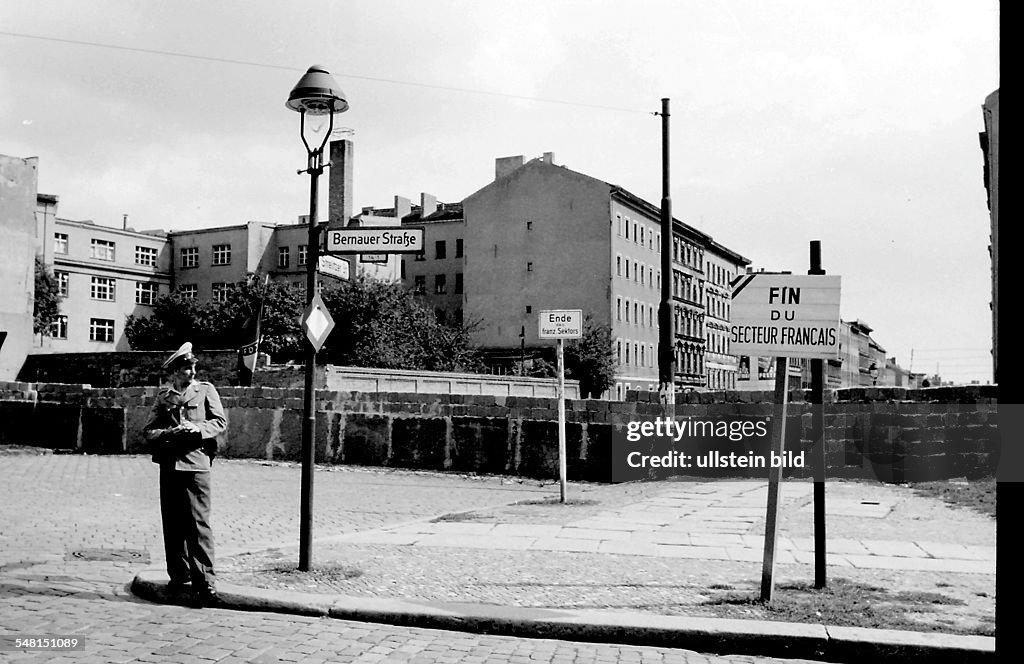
pixel 317 94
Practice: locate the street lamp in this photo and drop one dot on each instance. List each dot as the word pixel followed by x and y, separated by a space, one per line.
pixel 318 94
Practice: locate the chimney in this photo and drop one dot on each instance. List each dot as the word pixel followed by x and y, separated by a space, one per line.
pixel 548 158
pixel 403 206
pixel 339 197
pixel 505 165
pixel 428 203
pixel 124 222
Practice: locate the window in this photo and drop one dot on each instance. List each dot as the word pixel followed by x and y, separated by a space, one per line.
pixel 440 284
pixel 458 248
pixel 101 329
pixel 529 225
pixel 145 256
pixel 529 266
pixel 60 243
pixel 627 311
pixel 618 351
pixel 618 308
pixel 402 276
pixel 222 254
pixel 190 256
pixel 63 281
pixel 458 283
pixel 627 268
pixel 102 250
pixel 440 249
pixel 102 289
pixel 303 254
pixel 59 328
pixel 283 257
pixel 220 292
pixel 618 266
pixel 189 290
pixel 145 293
pixel 529 309
pixel 420 286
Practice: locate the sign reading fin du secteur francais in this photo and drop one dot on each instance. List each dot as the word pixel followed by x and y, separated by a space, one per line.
pixel 785 315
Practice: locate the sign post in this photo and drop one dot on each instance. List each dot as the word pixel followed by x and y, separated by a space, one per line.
pixel 561 324
pixel 783 316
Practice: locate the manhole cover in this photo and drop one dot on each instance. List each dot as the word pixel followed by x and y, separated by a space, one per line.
pixel 105 555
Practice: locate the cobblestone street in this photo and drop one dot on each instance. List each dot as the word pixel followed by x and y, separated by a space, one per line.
pixel 61 515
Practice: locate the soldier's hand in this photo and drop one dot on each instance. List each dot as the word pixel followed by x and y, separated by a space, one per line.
pixel 153 434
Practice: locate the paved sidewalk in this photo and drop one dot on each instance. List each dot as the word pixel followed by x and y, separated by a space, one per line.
pixel 639 563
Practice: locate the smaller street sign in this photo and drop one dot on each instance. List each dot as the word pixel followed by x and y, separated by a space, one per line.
pixel 317 322
pixel 373 258
pixel 375 240
pixel 334 267
pixel 560 324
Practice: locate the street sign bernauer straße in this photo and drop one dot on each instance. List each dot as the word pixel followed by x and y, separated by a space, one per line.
pixel 375 240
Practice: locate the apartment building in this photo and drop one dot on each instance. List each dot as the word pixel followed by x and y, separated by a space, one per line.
pixel 104 275
pixel 17 202
pixel 546 237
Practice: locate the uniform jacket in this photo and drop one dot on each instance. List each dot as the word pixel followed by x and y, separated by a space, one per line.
pixel 189 451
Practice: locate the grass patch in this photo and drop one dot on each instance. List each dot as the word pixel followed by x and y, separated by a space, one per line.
pixel 323 573
pixel 844 603
pixel 976 495
pixel 460 516
pixel 556 501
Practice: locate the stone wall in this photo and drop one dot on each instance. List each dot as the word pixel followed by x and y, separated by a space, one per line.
pixel 892 434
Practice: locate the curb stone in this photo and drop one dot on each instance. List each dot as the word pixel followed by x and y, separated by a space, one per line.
pixel 708 635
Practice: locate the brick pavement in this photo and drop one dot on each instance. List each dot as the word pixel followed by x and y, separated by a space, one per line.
pixel 53 506
pixel 658 548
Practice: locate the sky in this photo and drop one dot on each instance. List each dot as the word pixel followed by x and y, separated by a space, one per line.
pixel 852 123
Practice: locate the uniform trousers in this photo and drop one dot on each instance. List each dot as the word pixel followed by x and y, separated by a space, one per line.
pixel 185 503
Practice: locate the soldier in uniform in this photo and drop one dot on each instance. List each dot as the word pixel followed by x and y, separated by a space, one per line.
pixel 183 431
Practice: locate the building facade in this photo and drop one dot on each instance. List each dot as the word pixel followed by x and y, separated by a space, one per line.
pixel 541 236
pixel 990 149
pixel 18 190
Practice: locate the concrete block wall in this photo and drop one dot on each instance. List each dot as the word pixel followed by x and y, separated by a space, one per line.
pixel 890 434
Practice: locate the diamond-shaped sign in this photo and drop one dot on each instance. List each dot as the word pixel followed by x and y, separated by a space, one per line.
pixel 317 322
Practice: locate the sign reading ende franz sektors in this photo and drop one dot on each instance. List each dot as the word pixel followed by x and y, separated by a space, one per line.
pixel 375 240
pixel 560 324
pixel 785 315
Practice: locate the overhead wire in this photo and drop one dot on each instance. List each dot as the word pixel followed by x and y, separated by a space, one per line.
pixel 265 65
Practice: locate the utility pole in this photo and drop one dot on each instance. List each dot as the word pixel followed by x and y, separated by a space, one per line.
pixel 666 332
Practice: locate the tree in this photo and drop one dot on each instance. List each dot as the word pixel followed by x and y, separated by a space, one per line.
pixel 46 306
pixel 591 359
pixel 378 324
pixel 382 324
pixel 178 318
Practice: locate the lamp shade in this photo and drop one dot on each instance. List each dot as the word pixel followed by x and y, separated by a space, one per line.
pixel 317 93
